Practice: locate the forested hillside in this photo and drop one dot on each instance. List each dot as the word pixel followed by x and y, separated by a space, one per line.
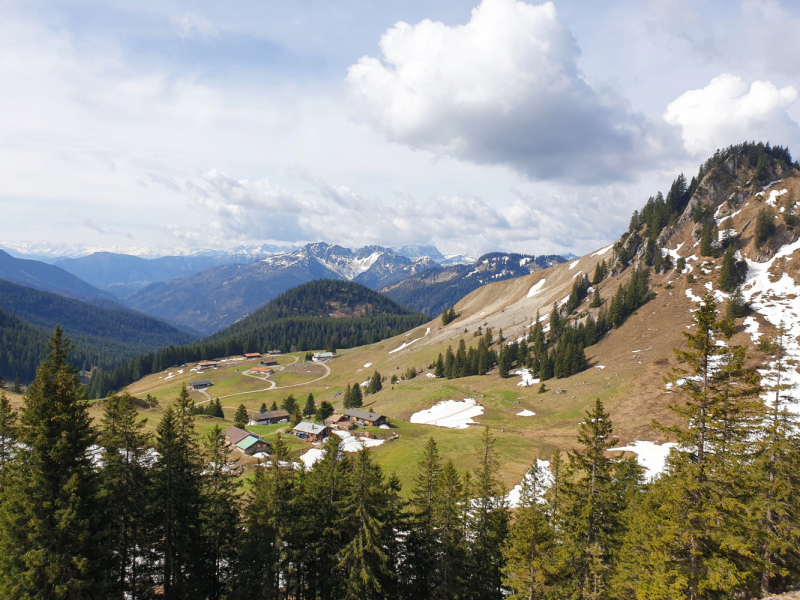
pixel 438 288
pixel 103 338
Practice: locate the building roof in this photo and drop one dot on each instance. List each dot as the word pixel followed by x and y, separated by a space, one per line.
pixel 306 427
pixel 335 418
pixel 253 355
pixel 362 414
pixel 245 443
pixel 323 355
pixel 261 369
pixel 234 434
pixel 272 414
pixel 207 363
pixel 204 382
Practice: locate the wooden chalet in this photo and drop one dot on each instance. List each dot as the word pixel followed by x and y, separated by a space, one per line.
pixel 269 362
pixel 336 421
pixel 200 385
pixel 253 355
pixel 364 417
pixel 310 432
pixel 270 417
pixel 245 441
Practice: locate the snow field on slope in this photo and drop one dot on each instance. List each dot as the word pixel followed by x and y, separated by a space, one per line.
pixel 603 250
pixel 527 378
pixel 649 455
pixel 405 345
pixel 537 287
pixel 350 443
pixel 777 302
pixel 526 413
pixel 453 414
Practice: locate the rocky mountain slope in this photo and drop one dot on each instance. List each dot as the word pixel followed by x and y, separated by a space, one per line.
pixel 438 288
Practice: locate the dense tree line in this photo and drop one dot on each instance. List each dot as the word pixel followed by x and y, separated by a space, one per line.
pixel 110 511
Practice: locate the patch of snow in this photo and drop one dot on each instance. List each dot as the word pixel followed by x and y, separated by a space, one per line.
pixel 649 455
pixel 527 378
pixel 600 367
pixel 773 195
pixel 368 365
pixel 427 331
pixel 312 456
pixel 365 384
pixel 537 287
pixel 405 345
pixel 525 413
pixel 691 296
pixel 751 328
pixel 524 261
pixel 573 264
pixel 453 414
pixel 603 250
pixel 354 444
pixel 720 221
pixel 431 375
pixel 384 426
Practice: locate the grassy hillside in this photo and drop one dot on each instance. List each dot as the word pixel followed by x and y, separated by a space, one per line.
pixel 626 366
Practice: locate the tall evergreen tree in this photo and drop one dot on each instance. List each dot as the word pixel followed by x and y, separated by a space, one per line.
pixel 219 515
pixel 177 501
pixel 126 491
pixel 8 435
pixel 531 548
pixel 488 525
pixel 450 510
pixel 51 536
pixel 310 408
pixel 240 418
pixel 420 571
pixel 375 384
pixel 439 370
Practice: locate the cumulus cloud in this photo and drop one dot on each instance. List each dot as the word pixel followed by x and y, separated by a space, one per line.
pixel 727 112
pixel 505 89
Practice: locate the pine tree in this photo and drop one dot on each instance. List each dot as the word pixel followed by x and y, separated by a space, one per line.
pixel 177 501
pixel 274 406
pixel 267 518
pixel 219 517
pixel 727 275
pixel 363 561
pixel 241 418
pixel 296 417
pixel 375 384
pixel 589 511
pixel 8 436
pixel 737 306
pixel 531 547
pixel 348 396
pixel 765 227
pixel 324 411
pixel 600 272
pixel 421 571
pixel 777 477
pixel 504 362
pixel 488 525
pixel 597 301
pixel 51 538
pixel 263 408
pixel 310 408
pixel 439 370
pixel 698 503
pixel 17 384
pixel 449 361
pixel 288 404
pixel 126 490
pixel 450 509
pixel 356 399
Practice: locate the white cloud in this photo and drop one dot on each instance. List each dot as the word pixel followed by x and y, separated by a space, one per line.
pixel 727 112
pixel 192 25
pixel 504 88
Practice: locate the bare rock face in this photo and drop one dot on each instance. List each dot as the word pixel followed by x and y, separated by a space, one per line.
pixel 626 252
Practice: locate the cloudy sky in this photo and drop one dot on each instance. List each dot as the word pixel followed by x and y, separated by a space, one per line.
pixel 499 125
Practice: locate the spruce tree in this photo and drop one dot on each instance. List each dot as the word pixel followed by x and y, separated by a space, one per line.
pixel 240 418
pixel 363 561
pixel 263 407
pixel 589 511
pixel 51 535
pixel 488 525
pixel 727 275
pixel 126 491
pixel 356 398
pixel 531 547
pixel 765 227
pixel 289 403
pixel 375 384
pixel 296 417
pixel 177 501
pixel 324 411
pixel 219 517
pixel 439 370
pixel 597 301
pixel 449 361
pixel 421 568
pixel 450 509
pixel 8 436
pixel 310 408
pixel 274 406
pixel 348 397
pixel 776 480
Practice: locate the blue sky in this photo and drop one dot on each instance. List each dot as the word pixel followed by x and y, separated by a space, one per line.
pixel 474 126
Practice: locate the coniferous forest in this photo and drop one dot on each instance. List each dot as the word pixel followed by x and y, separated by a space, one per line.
pixel 104 510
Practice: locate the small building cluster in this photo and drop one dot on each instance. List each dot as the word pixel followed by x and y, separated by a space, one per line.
pixel 246 442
